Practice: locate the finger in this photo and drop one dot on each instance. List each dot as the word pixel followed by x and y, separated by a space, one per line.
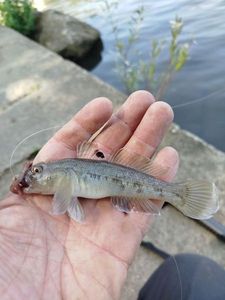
pixel 88 120
pixel 123 123
pixel 152 129
pixel 167 159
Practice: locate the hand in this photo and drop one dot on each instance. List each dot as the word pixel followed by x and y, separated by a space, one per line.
pixel 52 257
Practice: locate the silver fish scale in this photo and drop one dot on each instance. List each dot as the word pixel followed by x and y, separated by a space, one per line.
pixel 97 179
pixel 86 178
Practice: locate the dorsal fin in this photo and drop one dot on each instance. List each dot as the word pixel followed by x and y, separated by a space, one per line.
pixel 89 150
pixel 136 161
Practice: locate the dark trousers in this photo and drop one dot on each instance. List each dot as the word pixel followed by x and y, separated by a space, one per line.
pixel 187 277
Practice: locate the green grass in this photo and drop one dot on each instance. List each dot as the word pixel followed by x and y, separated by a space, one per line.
pixel 136 73
pixel 19 15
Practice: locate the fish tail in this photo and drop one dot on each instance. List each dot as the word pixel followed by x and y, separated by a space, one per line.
pixel 196 199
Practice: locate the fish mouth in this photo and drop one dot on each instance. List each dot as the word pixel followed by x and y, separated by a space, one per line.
pixel 23 182
pixel 18 185
pixel 26 185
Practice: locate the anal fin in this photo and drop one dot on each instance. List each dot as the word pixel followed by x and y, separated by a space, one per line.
pixel 135 205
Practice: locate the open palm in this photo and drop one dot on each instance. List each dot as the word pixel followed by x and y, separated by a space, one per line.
pixel 53 257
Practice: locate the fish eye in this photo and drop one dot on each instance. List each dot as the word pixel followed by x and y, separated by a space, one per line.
pixel 37 169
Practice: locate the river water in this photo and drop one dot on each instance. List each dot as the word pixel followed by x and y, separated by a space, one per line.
pixel 203 74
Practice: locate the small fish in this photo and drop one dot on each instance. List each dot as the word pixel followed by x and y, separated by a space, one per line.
pixel 130 180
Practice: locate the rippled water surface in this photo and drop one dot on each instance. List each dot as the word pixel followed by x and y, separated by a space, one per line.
pixel 204 72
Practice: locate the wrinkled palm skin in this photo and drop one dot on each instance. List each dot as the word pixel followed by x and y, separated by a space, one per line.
pixel 53 257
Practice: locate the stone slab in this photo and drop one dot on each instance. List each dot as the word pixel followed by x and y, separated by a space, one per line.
pixel 65 34
pixel 38 89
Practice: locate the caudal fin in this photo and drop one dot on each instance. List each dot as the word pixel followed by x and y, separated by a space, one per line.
pixel 199 199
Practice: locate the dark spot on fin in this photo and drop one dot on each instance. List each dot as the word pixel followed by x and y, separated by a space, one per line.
pixel 89 150
pixel 100 154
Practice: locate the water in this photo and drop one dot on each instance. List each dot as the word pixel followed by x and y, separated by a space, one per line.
pixel 203 73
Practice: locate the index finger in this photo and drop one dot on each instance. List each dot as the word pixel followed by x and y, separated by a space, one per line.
pixel 88 120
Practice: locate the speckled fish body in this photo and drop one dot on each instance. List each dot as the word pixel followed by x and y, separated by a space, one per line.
pixel 131 188
pixel 97 179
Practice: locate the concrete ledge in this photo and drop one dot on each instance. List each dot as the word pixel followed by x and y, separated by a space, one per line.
pixel 38 89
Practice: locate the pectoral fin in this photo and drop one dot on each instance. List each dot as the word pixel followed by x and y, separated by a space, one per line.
pixel 62 198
